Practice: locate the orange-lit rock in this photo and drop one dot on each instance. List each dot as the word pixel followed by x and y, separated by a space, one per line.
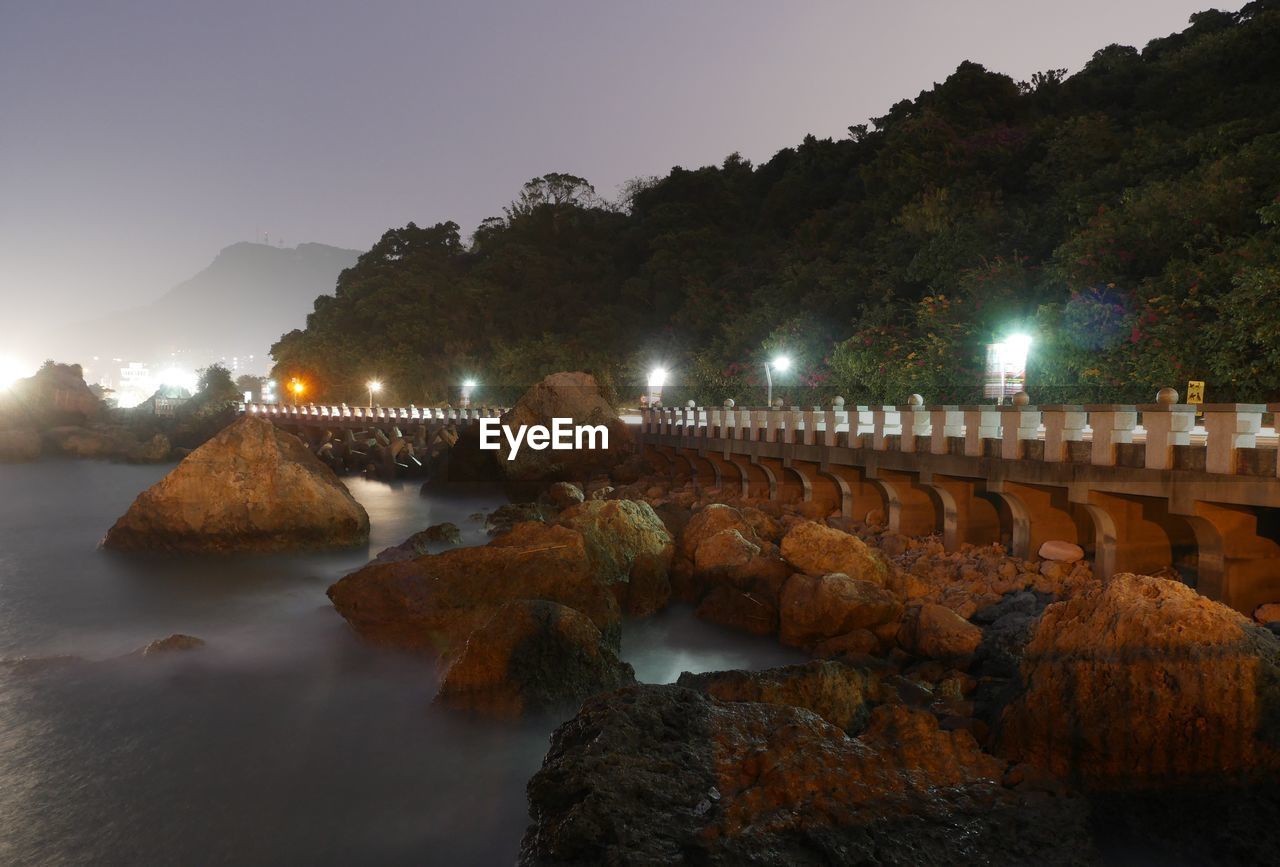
pixel 938 632
pixel 814 609
pixel 629 549
pixel 1143 682
pixel 819 550
pixel 836 692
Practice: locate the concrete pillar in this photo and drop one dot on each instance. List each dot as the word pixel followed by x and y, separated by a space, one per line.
pixel 1230 427
pixel 1063 423
pixel 1236 565
pixel 980 423
pixel 1017 425
pixel 944 422
pixel 912 509
pixel 1167 425
pixel 966 517
pixel 915 422
pixel 1112 424
pixel 886 421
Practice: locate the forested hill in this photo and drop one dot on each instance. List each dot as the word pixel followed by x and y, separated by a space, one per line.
pixel 1126 216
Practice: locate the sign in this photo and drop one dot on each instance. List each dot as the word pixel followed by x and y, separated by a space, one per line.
pixel 1195 391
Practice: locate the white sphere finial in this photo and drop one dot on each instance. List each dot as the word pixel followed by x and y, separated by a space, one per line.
pixel 837 401
pixel 729 404
pixel 915 400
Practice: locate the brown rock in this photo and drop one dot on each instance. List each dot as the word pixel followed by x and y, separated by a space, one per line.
pixel 723 552
pixel 859 642
pixel 836 692
pixel 176 642
pixel 562 495
pixel 250 488
pixel 437 600
pixel 819 550
pixel 711 520
pixel 813 610
pixel 937 632
pixel 1143 682
pixel 1060 551
pixel 575 396
pixel 532 656
pixel 1269 613
pixel 629 548
pixel 751 612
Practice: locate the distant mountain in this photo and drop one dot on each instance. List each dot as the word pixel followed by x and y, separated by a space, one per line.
pixel 236 307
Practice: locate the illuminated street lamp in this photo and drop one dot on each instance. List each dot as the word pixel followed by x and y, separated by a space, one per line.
pixel 374 387
pixel 657 379
pixel 297 388
pixel 467 387
pixel 1007 367
pixel 780 363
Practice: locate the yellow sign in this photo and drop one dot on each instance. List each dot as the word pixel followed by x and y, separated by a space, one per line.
pixel 1195 391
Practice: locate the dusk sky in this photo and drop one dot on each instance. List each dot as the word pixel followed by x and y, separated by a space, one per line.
pixel 139 138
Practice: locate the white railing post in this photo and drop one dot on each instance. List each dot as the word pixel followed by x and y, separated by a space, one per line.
pixel 980 423
pixel 1017 425
pixel 886 421
pixel 916 421
pixel 1229 428
pixel 1063 423
pixel 1112 425
pixel 1168 424
pixel 945 422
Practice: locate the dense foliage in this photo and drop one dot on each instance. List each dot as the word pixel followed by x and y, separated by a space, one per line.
pixel 1126 216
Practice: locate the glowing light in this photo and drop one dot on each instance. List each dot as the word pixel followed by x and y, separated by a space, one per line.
pixel 297 387
pixel 781 363
pixel 12 370
pixel 658 377
pixel 375 386
pixel 176 377
pixel 470 383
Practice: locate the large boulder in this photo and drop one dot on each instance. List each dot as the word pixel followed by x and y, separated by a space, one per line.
pixel 437 600
pixel 938 632
pixel 575 396
pixel 19 445
pixel 532 656
pixel 629 548
pixel 715 518
pixel 667 775
pixel 250 488
pixel 814 609
pixel 819 550
pixel 1143 682
pixel 836 692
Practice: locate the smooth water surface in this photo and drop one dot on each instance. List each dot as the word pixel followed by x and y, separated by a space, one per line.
pixel 286 739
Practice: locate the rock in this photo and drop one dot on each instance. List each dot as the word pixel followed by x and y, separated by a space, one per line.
pixel 834 691
pixel 859 642
pixel 751 612
pixel 506 516
pixel 1061 552
pixel 576 396
pixel 765 526
pixel 1269 613
pixel 20 445
pixel 711 520
pixel 154 451
pixel 629 548
pixel 819 550
pixel 562 495
pixel 812 610
pixel 422 542
pixel 666 775
pixel 874 517
pixel 437 600
pixel 56 395
pixel 533 656
pixel 75 441
pixel 250 488
pixel 937 632
pixel 1143 682
pixel 174 643
pixel 723 552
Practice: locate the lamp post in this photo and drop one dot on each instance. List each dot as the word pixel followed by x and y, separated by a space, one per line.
pixel 467 387
pixel 657 379
pixel 781 363
pixel 374 387
pixel 297 388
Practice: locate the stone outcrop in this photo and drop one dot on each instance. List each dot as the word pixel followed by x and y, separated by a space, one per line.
pixel 1143 682
pixel 664 775
pixel 711 520
pixel 818 550
pixel 437 600
pixel 815 609
pixel 575 396
pixel 250 488
pixel 836 692
pixel 562 495
pixel 532 656
pixel 176 643
pixel 937 632
pixel 422 542
pixel 629 548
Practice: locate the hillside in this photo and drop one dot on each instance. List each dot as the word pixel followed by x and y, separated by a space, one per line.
pixel 1125 216
pixel 237 306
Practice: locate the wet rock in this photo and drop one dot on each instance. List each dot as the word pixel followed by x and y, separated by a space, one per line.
pixel 819 550
pixel 1144 682
pixel 562 495
pixel 1269 613
pixel 663 774
pixel 1061 552
pixel 437 600
pixel 533 656
pixel 937 632
pixel 154 451
pixel 751 612
pixel 250 488
pixel 19 446
pixel 176 643
pixel 859 642
pixel 713 519
pixel 723 552
pixel 815 609
pixel 629 548
pixel 836 692
pixel 506 516
pixel 575 396
pixel 422 542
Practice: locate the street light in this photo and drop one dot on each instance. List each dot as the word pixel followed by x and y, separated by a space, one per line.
pixel 657 379
pixel 1007 367
pixel 374 387
pixel 467 387
pixel 297 388
pixel 781 363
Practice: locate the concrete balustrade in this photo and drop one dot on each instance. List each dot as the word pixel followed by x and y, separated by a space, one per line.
pixel 1230 427
pixel 1017 425
pixel 945 422
pixel 980 423
pixel 1111 425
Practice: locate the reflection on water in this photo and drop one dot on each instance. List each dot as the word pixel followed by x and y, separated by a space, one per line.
pixel 285 740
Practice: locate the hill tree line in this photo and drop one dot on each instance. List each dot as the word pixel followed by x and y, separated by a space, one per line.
pixel 1126 216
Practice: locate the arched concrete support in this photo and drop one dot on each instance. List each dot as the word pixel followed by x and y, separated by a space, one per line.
pixel 1238 560
pixel 728 476
pixel 820 487
pixel 914 510
pixel 705 472
pixel 1041 513
pixel 757 481
pixel 967 517
pixel 789 485
pixel 1138 534
pixel 660 457
pixel 858 495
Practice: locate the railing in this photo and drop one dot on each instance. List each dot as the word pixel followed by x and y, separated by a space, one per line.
pixel 344 413
pixel 1160 436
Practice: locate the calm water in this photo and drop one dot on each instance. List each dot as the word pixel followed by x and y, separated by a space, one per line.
pixel 285 740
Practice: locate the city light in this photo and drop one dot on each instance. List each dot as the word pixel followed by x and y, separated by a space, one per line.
pixel 374 387
pixel 12 370
pixel 176 377
pixel 782 363
pixel 658 377
pixel 469 384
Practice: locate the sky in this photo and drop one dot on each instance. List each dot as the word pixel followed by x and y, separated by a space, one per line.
pixel 139 138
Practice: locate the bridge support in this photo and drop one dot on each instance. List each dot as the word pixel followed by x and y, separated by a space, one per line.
pixel 914 509
pixel 1040 514
pixel 968 516
pixel 1139 534
pixel 858 495
pixel 1239 557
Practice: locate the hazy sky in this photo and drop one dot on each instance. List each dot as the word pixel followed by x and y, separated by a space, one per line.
pixel 139 138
